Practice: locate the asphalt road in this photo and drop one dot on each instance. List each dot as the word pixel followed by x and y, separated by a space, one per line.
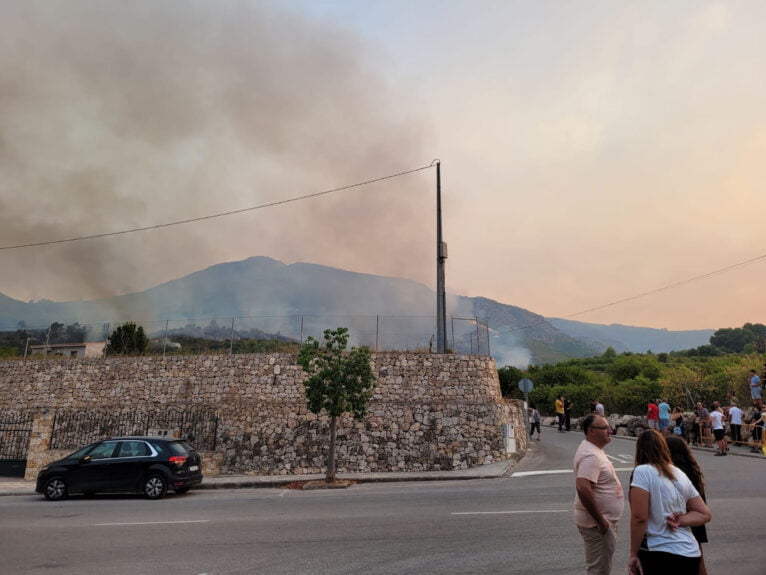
pixel 517 524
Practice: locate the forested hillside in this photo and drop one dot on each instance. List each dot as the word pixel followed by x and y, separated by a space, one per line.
pixel 625 382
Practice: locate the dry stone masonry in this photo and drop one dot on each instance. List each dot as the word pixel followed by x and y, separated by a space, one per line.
pixel 428 412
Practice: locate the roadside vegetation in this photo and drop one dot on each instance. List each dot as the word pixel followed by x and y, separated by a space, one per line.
pixel 625 382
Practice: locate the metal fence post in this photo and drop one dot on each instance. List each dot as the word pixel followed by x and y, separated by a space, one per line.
pixel 231 343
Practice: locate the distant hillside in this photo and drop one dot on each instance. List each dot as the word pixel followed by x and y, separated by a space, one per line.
pixel 629 338
pixel 303 299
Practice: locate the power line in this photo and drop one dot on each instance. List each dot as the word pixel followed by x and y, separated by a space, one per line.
pixel 645 294
pixel 212 216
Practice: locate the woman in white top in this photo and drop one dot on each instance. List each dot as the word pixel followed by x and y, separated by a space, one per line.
pixel 663 506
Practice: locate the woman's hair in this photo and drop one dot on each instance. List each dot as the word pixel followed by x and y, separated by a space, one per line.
pixel 651 449
pixel 682 458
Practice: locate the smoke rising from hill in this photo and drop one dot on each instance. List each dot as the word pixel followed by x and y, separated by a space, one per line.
pixel 115 115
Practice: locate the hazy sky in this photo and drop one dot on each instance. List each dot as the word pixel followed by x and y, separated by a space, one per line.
pixel 591 151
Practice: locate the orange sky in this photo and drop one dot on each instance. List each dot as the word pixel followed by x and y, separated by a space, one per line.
pixel 590 152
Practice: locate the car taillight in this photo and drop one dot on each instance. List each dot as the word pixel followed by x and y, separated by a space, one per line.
pixel 179 460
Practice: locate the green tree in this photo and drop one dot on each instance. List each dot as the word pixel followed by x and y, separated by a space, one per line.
pixel 127 339
pixel 339 381
pixel 509 381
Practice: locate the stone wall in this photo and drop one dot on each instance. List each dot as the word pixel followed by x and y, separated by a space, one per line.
pixel 428 412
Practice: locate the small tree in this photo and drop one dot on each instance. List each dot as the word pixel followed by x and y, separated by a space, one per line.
pixel 127 339
pixel 339 381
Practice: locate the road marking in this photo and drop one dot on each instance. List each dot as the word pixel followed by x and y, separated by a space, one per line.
pixel 546 472
pixel 151 523
pixel 510 512
pixel 620 458
pixel 556 471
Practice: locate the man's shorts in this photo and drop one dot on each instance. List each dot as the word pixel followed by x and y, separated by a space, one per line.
pixel 718 434
pixel 664 424
pixel 755 392
pixel 654 423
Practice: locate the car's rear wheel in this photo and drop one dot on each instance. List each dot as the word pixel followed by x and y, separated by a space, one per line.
pixel 155 486
pixel 182 490
pixel 55 489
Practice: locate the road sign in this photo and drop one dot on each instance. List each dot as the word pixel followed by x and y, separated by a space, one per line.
pixel 525 385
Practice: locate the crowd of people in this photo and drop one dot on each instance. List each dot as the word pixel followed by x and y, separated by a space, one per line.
pixel 668 510
pixel 668 506
pixel 704 426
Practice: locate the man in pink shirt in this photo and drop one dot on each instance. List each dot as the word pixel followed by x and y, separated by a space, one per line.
pixel 599 500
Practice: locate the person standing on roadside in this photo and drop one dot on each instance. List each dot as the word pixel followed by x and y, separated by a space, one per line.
pixel 567 414
pixel 664 505
pixel 703 422
pixel 683 458
pixel 653 415
pixel 755 387
pixel 716 420
pixel 599 409
pixel 664 414
pixel 757 422
pixel 534 422
pixel 560 412
pixel 599 500
pixel 735 422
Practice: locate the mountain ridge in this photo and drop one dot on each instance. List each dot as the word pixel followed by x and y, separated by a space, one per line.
pixel 261 286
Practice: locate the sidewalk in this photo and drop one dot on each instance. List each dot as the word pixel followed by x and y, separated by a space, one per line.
pixel 17 486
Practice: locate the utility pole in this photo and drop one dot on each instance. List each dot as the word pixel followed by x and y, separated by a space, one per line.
pixel 441 255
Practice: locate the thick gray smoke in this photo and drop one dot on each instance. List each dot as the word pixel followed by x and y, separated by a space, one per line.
pixel 116 115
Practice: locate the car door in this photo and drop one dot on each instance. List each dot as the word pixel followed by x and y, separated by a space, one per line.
pixel 92 471
pixel 127 468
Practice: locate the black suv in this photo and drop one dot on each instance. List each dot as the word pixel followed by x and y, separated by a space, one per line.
pixel 148 465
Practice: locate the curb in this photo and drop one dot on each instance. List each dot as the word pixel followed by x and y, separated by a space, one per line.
pixel 489 471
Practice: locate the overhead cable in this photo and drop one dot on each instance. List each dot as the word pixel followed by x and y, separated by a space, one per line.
pixel 212 216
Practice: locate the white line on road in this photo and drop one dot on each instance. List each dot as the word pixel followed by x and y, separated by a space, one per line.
pixel 620 458
pixel 151 523
pixel 510 512
pixel 546 472
pixel 556 471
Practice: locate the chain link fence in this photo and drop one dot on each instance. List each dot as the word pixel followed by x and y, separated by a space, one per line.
pixel 254 334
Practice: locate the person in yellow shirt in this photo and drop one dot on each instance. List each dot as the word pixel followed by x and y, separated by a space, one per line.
pixel 560 412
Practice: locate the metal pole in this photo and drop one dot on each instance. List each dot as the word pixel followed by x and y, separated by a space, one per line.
pixel 377 331
pixel 231 343
pixel 165 340
pixel 441 255
pixel 301 330
pixel 26 346
pixel 452 322
pixel 478 336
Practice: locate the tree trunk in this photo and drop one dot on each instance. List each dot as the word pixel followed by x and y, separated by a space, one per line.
pixel 331 455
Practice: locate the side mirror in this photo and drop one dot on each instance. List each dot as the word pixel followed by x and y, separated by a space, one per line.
pixel 85 459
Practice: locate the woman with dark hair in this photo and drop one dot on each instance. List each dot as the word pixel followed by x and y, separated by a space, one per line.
pixel 682 458
pixel 664 505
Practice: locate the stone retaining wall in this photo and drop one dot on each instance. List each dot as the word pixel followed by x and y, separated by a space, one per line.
pixel 428 412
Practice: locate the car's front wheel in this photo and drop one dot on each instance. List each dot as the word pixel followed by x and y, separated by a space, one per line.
pixel 155 486
pixel 55 489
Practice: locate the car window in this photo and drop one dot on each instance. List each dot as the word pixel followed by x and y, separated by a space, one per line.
pixel 133 449
pixel 159 446
pixel 80 453
pixel 178 448
pixel 103 450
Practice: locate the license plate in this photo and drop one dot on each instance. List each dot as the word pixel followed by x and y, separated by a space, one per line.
pixel 194 468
